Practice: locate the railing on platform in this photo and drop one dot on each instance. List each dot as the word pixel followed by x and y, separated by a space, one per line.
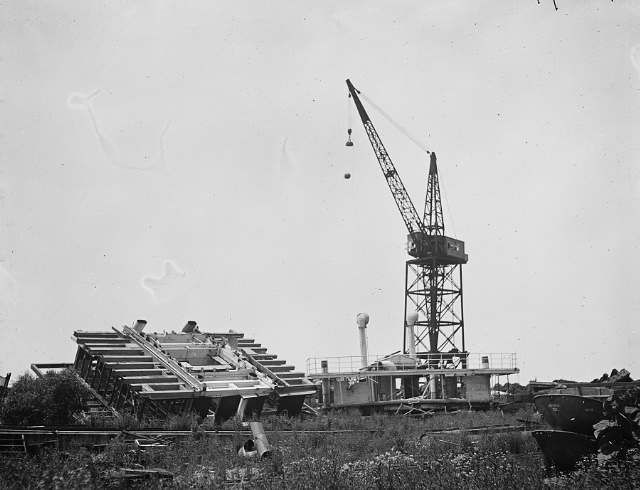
pixel 441 360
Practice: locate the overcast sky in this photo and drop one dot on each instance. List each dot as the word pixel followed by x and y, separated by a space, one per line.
pixel 175 161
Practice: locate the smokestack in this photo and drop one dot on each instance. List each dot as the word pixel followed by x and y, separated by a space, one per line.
pixel 362 319
pixel 139 325
pixel 412 318
pixel 189 327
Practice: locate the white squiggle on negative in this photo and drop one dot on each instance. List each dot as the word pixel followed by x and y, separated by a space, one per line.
pixel 634 55
pixel 635 51
pixel 81 101
pixel 168 285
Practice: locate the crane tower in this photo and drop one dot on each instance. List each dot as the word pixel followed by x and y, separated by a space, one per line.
pixel 433 274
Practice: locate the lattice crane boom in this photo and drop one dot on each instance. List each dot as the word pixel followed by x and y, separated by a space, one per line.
pixel 407 210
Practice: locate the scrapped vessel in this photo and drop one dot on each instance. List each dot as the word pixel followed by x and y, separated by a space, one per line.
pixel 564 449
pixel 217 374
pixel 571 413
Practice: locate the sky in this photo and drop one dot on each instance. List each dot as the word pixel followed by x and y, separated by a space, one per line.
pixel 175 161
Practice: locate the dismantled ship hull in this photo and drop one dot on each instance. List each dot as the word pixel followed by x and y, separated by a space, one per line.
pixel 564 449
pixel 214 374
pixel 570 413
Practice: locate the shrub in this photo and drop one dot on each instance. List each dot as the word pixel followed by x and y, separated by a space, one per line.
pixel 53 399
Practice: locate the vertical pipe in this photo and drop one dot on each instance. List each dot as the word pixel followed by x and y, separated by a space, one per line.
pixel 406 301
pixel 326 385
pixel 362 320
pixel 432 387
pixel 462 310
pixel 412 318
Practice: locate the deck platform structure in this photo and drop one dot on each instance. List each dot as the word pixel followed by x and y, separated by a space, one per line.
pixel 157 374
pixel 402 384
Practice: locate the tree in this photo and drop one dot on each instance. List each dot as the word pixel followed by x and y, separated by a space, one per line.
pixel 510 388
pixel 50 400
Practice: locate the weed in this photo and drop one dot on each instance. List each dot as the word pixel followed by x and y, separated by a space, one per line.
pixel 333 451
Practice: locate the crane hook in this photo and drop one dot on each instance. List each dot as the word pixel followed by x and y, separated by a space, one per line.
pixel 349 142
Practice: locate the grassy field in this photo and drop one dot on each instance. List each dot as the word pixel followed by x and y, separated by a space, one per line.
pixel 335 451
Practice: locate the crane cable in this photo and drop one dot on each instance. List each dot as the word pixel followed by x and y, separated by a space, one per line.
pixel 365 251
pixel 419 143
pixel 373 264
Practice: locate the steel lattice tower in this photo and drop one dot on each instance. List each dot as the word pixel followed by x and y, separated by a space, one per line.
pixel 434 281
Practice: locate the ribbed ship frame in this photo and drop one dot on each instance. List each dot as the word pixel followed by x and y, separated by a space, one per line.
pixel 158 374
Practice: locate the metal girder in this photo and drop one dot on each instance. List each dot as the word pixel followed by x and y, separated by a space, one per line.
pixel 408 212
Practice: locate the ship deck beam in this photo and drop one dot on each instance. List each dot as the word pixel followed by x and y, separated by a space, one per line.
pixel 402 373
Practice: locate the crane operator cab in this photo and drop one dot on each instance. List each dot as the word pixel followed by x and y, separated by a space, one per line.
pixel 446 250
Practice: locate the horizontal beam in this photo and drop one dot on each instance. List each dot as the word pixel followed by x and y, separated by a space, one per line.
pixel 295 390
pixel 125 372
pixel 114 351
pixel 41 368
pixel 403 373
pixel 158 387
pixel 130 365
pixel 149 379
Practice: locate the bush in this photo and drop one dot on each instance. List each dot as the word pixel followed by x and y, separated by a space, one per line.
pixel 53 399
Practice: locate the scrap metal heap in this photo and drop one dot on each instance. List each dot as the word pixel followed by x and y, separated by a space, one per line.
pixel 214 374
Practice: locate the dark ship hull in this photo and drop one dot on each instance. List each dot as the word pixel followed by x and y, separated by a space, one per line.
pixel 564 449
pixel 570 413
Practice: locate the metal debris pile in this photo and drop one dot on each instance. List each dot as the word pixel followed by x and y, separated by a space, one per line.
pixel 622 376
pixel 620 430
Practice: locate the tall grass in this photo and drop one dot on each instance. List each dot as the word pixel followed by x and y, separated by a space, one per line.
pixel 333 451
